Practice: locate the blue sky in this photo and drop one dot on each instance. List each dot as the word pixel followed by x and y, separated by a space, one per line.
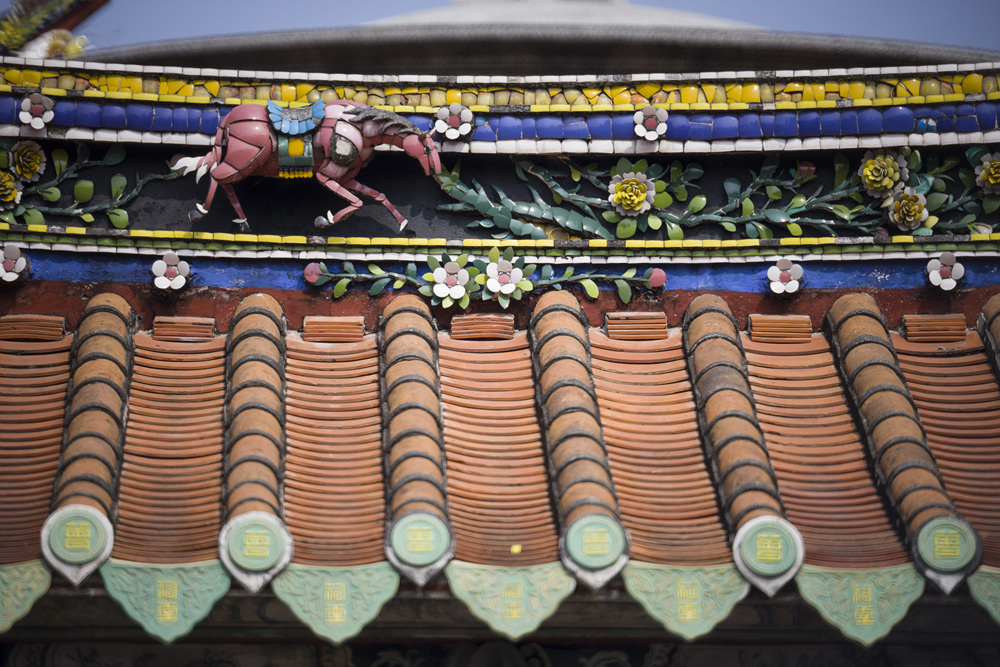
pixel 969 23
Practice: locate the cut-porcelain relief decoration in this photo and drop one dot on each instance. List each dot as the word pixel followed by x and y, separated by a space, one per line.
pixel 785 276
pixel 650 123
pixel 14 266
pixel 250 143
pixel 945 271
pixel 36 111
pixel 454 122
pixel 171 273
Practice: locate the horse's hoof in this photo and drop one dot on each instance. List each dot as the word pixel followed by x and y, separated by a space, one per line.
pixel 241 225
pixel 195 215
pixel 321 222
pixel 402 225
pixel 201 209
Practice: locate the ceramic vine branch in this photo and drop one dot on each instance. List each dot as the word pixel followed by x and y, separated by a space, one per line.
pixel 889 190
pixel 23 163
pixel 500 276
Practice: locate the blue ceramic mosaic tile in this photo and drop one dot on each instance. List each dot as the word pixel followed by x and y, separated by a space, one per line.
pixel 808 124
pixel 677 127
pixel 786 124
pixel 509 128
pixel 549 127
pixel 830 124
pixel 599 126
pixel 986 114
pixel 8 110
pixel 88 114
pixel 870 121
pixel 897 119
pixel 575 128
pixel 113 116
pixel 139 117
pixel 725 127
pixel 163 119
pixel 623 127
pixel 750 126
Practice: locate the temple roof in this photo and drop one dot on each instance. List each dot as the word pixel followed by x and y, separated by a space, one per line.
pixel 630 449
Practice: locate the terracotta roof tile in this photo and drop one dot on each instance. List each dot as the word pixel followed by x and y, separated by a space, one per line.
pixel 420 537
pixel 320 329
pixel 498 486
pixel 334 433
pixel 736 449
pixel 255 408
pixel 780 328
pixel 903 461
pixel 668 501
pixel 828 490
pixel 965 437
pixel 102 366
pixel 175 423
pixel 578 460
pixel 482 326
pixel 32 327
pixel 636 326
pixel 183 328
pixel 33 379
pixel 934 328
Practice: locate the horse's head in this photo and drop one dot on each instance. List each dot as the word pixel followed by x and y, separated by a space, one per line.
pixel 422 147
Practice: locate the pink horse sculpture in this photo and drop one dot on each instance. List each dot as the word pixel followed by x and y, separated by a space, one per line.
pixel 254 140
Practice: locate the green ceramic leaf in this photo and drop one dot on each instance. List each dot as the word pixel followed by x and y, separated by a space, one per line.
pixel 590 287
pixel 630 273
pixel 612 217
pixel 676 170
pixel 349 268
pixel 115 155
pixel 693 171
pixel 794 229
pixel 728 226
pixel 50 194
pixel 798 201
pixel 503 300
pixel 547 272
pixel 624 291
pixel 626 228
pixel 680 192
pixel 494 254
pixel 697 203
pixel 118 218
pixel 87 217
pixel 974 155
pixel 967 176
pixel 623 167
pixel 747 208
pixel 83 191
pixel 426 290
pixel 375 270
pixel 732 186
pixel 991 203
pixel 773 192
pixel 674 231
pixel 59 160
pixel 82 152
pixel 913 162
pixel 660 186
pixel 654 222
pixel 642 165
pixel 936 200
pixel 118 183
pixel 33 217
pixel 841 168
pixel 7 217
pixel 769 166
pixel 842 211
pixel 938 185
pixel 776 215
pixel 663 200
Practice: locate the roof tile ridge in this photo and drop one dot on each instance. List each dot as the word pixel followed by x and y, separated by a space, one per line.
pixel 888 418
pixel 419 539
pixel 767 548
pixel 78 535
pixel 254 543
pixel 593 543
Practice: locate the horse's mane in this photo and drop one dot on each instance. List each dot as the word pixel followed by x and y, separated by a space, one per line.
pixel 388 122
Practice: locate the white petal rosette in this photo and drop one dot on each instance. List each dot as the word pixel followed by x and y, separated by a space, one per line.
pixel 454 121
pixel 945 271
pixel 450 280
pixel 785 276
pixel 36 111
pixel 170 273
pixel 650 123
pixel 502 277
pixel 13 265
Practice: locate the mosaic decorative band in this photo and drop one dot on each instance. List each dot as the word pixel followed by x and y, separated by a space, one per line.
pixel 834 109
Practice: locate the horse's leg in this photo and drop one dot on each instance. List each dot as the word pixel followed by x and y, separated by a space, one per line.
pixel 203 208
pixel 377 196
pixel 242 219
pixel 354 202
